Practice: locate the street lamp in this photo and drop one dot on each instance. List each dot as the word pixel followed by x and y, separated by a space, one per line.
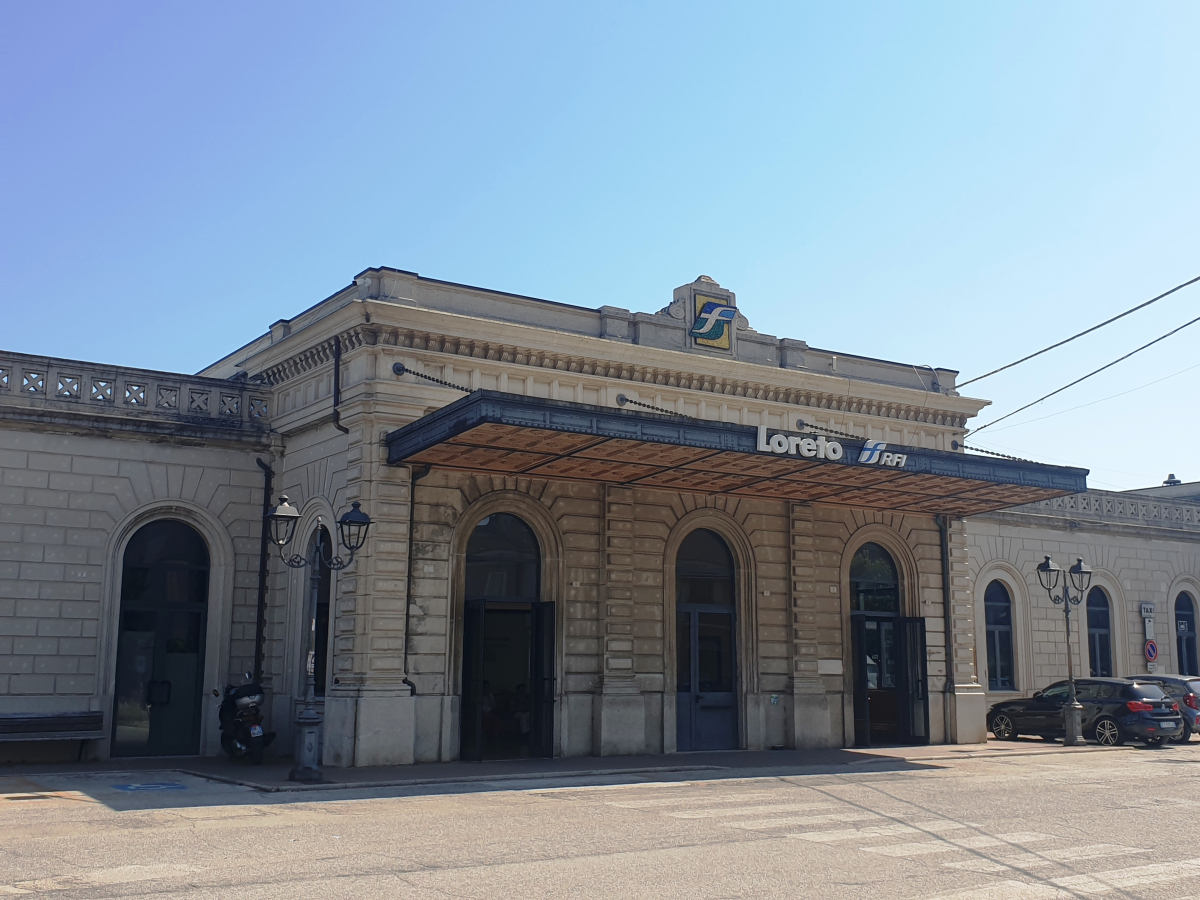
pixel 352 531
pixel 1079 578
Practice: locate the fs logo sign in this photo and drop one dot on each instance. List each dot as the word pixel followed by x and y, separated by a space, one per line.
pixel 713 323
pixel 873 453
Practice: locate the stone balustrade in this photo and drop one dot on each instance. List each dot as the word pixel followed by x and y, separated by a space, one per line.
pixel 1119 508
pixel 33 384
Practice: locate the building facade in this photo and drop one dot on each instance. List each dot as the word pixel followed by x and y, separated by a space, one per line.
pixel 1145 549
pixel 593 532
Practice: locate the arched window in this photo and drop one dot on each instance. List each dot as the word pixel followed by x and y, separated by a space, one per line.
pixel 997 606
pixel 1099 634
pixel 874 584
pixel 704 569
pixel 160 642
pixel 502 560
pixel 1185 634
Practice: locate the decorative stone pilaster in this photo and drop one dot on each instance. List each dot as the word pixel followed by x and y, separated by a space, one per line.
pixel 966 702
pixel 813 715
pixel 620 714
pixel 369 709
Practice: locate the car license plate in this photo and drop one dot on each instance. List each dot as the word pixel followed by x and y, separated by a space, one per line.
pixel 255 731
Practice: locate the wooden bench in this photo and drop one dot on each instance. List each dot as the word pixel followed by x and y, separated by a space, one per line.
pixel 71 726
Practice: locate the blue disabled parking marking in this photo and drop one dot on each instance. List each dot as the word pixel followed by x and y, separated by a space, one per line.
pixel 152 786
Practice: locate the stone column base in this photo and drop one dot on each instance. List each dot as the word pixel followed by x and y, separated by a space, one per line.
pixel 620 719
pixel 817 715
pixel 967 715
pixel 370 731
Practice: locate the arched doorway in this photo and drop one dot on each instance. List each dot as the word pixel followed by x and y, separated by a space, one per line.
pixel 891 703
pixel 160 642
pixel 705 644
pixel 508 645
pixel 1099 634
pixel 1185 634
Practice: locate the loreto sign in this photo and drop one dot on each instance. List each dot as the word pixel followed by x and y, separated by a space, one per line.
pixel 873 453
pixel 795 445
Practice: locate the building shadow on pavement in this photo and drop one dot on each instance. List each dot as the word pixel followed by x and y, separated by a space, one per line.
pixel 177 782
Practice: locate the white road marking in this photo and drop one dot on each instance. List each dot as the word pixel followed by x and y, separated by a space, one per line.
pixel 1074 885
pixel 807 820
pixel 747 810
pixel 695 801
pixel 1044 858
pixel 1135 876
pixel 118 875
pixel 946 845
pixel 853 834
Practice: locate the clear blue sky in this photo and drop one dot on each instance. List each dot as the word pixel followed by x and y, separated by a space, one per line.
pixel 953 184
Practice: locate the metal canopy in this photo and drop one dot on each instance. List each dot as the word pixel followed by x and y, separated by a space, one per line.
pixel 509 434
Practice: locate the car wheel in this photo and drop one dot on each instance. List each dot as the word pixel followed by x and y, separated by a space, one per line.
pixel 1155 742
pixel 1002 727
pixel 1184 736
pixel 1108 732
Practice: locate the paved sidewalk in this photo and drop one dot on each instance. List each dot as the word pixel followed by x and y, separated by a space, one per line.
pixel 272 776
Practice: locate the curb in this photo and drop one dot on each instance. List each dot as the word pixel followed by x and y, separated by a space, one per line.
pixel 463 779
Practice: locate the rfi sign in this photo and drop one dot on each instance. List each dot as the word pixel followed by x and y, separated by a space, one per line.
pixel 1151 651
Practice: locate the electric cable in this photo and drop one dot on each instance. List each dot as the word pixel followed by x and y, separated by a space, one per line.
pixel 1063 412
pixel 1081 334
pixel 1087 376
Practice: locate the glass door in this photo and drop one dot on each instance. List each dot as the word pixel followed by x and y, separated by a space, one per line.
pixel 706 705
pixel 508 680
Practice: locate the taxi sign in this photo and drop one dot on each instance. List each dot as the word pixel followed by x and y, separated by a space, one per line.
pixel 1151 651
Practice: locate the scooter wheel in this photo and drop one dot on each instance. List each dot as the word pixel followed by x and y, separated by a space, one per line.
pixel 256 753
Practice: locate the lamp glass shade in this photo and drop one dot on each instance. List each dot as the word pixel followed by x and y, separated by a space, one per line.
pixel 282 521
pixel 1048 574
pixel 1081 576
pixel 352 528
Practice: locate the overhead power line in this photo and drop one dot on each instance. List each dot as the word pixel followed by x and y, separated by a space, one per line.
pixel 1081 334
pixel 1087 376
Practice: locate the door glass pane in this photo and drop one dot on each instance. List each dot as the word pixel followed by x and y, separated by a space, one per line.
pixel 507 673
pixel 889 665
pixel 683 651
pixel 135 671
pixel 714 648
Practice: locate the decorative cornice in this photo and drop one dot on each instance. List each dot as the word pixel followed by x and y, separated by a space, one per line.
pixel 509 354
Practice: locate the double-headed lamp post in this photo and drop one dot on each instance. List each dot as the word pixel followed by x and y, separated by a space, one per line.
pixel 352 532
pixel 1049 574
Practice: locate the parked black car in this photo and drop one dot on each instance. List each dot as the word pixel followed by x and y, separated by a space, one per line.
pixel 1184 690
pixel 1114 710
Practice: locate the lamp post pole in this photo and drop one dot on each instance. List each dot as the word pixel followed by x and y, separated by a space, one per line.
pixel 352 533
pixel 1080 577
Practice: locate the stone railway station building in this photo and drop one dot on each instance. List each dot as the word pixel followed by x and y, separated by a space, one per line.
pixel 594 531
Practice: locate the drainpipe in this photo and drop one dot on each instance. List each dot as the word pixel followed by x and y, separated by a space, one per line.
pixel 337 384
pixel 416 473
pixel 943 523
pixel 260 623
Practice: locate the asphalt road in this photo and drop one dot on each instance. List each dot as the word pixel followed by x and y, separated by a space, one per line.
pixel 1119 824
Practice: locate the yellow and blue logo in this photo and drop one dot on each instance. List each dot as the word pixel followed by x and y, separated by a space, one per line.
pixel 713 325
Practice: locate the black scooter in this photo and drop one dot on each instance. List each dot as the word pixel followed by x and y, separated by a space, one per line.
pixel 241 721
